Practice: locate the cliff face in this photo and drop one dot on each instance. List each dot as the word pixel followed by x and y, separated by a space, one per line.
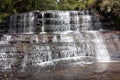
pixel 34 53
pixel 37 44
pixel 55 21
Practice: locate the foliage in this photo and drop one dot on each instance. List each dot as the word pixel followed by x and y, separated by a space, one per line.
pixel 17 6
pixel 110 6
pixel 8 7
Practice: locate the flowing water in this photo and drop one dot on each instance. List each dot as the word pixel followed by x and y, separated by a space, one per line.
pixel 37 41
pixel 52 21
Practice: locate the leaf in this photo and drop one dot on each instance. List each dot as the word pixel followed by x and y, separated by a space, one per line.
pixel 109 9
pixel 7 1
pixel 14 11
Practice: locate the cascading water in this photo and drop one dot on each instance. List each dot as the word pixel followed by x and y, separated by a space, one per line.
pixel 101 50
pixel 64 37
pixel 52 21
pixel 21 23
pixel 86 20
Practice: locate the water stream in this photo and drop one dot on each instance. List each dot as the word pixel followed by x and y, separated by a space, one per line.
pixel 64 37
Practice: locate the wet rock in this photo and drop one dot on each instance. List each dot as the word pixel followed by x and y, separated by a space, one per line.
pixel 20 56
pixel 23 75
pixel 48 15
pixel 16 64
pixel 39 15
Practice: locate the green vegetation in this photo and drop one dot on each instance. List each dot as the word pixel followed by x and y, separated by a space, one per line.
pixel 111 9
pixel 105 7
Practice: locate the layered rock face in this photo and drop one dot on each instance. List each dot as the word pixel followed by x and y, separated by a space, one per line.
pixel 25 50
pixel 42 38
pixel 52 21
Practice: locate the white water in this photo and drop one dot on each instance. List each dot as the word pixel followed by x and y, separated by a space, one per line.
pixel 52 21
pixel 69 40
pixel 21 23
pixel 5 39
pixel 80 47
pixel 101 50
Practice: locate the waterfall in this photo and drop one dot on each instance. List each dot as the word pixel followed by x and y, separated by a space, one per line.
pixel 5 59
pixel 56 21
pixel 62 37
pixel 21 23
pixel 86 20
pixel 5 39
pixel 74 20
pixel 53 21
pixel 101 49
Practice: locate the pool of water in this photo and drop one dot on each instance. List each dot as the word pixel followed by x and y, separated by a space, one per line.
pixel 94 71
